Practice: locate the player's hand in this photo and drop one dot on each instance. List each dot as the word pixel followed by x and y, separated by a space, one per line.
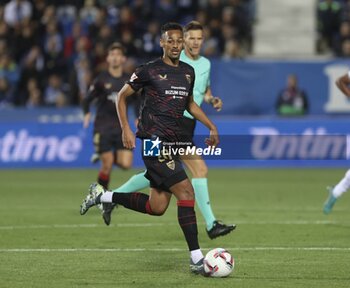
pixel 213 139
pixel 128 138
pixel 86 120
pixel 217 103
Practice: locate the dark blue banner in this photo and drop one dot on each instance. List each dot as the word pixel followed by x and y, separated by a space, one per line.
pixel 253 142
pixel 252 87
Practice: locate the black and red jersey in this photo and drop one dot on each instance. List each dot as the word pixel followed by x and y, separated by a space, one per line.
pixel 165 94
pixel 104 89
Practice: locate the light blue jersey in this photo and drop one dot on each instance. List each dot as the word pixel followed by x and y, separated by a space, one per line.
pixel 201 68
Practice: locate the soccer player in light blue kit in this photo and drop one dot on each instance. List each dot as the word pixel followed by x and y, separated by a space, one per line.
pixel 343 83
pixel 193 36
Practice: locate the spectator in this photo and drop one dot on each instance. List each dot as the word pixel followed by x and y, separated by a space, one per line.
pixel 25 40
pixel 88 13
pixel 17 11
pixel 232 50
pixel 99 57
pixel 186 10
pixel 5 93
pixel 142 15
pixel 34 94
pixel 150 41
pixel 32 67
pixel 345 49
pixel 344 35
pixel 54 95
pixel 166 10
pixel 329 16
pixel 105 35
pixel 54 61
pixel 49 37
pixel 211 46
pixel 5 34
pixel 66 15
pixel 9 73
pixel 292 101
pixel 80 80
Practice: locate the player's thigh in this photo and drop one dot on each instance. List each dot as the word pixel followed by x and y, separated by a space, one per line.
pixel 159 200
pixel 124 158
pixel 183 190
pixel 196 165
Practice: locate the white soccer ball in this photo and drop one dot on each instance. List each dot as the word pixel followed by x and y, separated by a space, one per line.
pixel 218 263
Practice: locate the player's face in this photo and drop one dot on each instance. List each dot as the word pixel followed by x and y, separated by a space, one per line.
pixel 115 58
pixel 172 44
pixel 193 42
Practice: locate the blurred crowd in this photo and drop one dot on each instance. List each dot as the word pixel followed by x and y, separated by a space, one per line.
pixel 50 50
pixel 333 26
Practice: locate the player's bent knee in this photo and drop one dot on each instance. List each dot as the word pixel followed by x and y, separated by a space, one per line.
pixel 158 210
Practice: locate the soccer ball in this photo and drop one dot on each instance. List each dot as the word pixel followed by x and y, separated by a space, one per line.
pixel 218 263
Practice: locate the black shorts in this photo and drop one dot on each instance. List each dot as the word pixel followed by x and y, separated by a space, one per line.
pixel 163 172
pixel 105 142
pixel 187 128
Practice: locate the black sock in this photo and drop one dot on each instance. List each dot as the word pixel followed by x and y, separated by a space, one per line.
pixel 135 201
pixel 188 222
pixel 103 179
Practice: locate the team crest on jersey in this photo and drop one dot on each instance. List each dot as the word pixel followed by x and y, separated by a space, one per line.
pixel 188 77
pixel 171 164
pixel 163 77
pixel 108 85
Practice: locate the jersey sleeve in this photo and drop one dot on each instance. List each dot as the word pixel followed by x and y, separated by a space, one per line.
pixel 139 78
pixel 349 74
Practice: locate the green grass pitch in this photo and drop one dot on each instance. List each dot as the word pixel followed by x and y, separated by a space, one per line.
pixel 282 238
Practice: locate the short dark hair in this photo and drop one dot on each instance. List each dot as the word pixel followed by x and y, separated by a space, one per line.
pixel 193 25
pixel 116 45
pixel 170 26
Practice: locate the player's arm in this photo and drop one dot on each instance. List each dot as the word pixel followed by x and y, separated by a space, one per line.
pixel 198 113
pixel 216 102
pixel 91 95
pixel 128 136
pixel 343 84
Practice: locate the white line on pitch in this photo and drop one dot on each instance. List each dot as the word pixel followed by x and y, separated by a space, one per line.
pixel 63 226
pixel 67 250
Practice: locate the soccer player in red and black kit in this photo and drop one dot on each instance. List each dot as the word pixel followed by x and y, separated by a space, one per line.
pixel 107 131
pixel 167 86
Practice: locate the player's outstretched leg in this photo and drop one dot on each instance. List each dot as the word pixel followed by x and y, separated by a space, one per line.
pixel 135 183
pixel 328 205
pixel 134 201
pixel 336 191
pixel 93 197
pixel 215 228
pixel 220 229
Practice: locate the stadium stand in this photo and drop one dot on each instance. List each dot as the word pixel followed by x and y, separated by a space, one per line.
pixel 50 50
